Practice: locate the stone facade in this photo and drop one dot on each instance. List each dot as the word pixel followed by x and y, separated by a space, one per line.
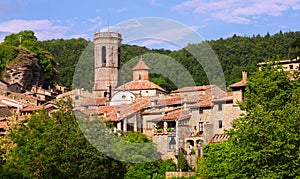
pixel 107 61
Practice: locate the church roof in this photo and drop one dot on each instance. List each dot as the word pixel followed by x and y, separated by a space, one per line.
pixel 139 85
pixel 125 110
pixel 141 65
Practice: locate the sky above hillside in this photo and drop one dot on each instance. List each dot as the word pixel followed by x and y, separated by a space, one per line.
pixel 211 19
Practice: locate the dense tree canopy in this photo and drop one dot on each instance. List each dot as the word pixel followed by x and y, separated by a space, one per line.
pixel 54 147
pixel 234 54
pixel 265 142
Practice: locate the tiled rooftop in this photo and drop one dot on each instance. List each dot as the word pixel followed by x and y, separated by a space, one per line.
pixel 239 84
pixel 193 88
pixel 141 65
pixel 139 85
pixel 93 101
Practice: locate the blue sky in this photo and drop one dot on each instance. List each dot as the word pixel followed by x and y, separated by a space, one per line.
pixel 212 19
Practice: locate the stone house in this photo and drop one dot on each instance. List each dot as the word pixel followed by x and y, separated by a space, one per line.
pixel 290 65
pixel 3 87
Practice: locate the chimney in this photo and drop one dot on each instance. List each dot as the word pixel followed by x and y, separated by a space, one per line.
pixel 244 75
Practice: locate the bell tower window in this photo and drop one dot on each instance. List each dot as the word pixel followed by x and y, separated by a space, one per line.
pixel 103 57
pixel 140 77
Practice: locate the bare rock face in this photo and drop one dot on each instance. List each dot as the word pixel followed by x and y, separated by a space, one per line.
pixel 24 69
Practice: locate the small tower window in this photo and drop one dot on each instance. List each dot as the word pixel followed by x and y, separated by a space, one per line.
pixel 220 124
pixel 291 67
pixel 119 56
pixel 103 57
pixel 140 76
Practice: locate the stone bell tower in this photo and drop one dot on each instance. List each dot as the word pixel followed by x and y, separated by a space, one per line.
pixel 107 62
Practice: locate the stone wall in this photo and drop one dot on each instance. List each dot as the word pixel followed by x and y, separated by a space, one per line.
pixel 170 175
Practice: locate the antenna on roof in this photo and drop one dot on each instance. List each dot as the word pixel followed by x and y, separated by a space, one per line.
pixel 108 22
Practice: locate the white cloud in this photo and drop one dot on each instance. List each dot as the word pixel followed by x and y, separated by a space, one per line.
pixel 95 20
pixel 44 29
pixel 237 11
pixel 153 3
pixel 120 10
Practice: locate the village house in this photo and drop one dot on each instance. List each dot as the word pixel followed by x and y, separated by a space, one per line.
pixel 185 119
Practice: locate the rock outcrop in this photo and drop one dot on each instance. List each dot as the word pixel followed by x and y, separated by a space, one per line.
pixel 25 70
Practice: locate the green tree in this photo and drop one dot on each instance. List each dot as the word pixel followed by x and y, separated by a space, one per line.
pixel 153 169
pixel 215 162
pixel 182 164
pixel 265 142
pixel 54 147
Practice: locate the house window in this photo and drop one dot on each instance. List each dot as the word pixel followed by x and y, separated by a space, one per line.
pixel 220 124
pixel 183 122
pixel 149 125
pixel 201 126
pixel 140 77
pixel 291 67
pixel 172 142
pixel 220 107
pixel 201 111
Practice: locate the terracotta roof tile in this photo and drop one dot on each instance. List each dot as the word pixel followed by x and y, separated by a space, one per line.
pixel 31 108
pixel 228 97
pixel 139 85
pixel 238 84
pixel 193 88
pixel 3 124
pixel 141 65
pixel 110 112
pixel 177 115
pixel 93 101
pixel 5 112
pixel 205 102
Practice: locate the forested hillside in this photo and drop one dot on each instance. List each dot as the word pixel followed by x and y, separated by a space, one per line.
pixel 235 54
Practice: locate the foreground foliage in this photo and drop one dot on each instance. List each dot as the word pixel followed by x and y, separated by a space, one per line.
pixel 45 146
pixel 54 147
pixel 264 143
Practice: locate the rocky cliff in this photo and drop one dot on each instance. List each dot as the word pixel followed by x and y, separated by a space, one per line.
pixel 25 70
